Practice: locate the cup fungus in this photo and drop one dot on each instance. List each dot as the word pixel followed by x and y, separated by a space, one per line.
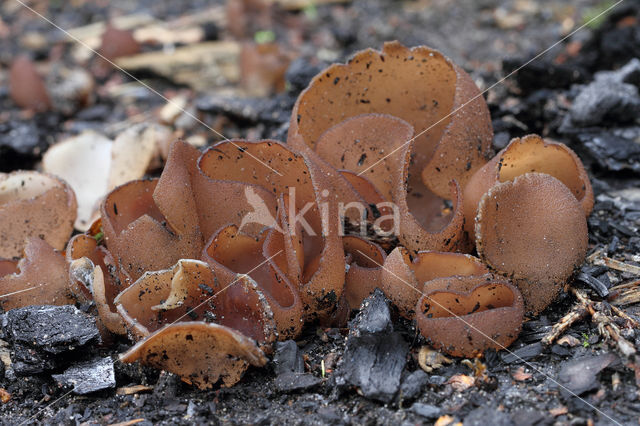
pixel 34 204
pixel 264 260
pixel 360 147
pixel 418 85
pixel 97 276
pixel 235 247
pixel 532 230
pixel 199 352
pixel 117 43
pixel 161 308
pixel 466 321
pixel 365 260
pixel 523 155
pixel 40 277
pixel 404 279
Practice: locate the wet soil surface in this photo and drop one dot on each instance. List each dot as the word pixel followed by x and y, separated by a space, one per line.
pixel 369 372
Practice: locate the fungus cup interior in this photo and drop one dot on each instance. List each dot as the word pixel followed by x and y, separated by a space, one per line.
pixel 418 85
pixel 374 153
pixel 441 304
pixel 404 278
pixel 534 154
pixel 292 176
pixel 8 266
pixel 192 290
pixel 464 323
pixel 264 260
pixel 365 260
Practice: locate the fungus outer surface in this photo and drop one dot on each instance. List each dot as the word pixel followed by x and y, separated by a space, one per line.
pixel 200 353
pixel 532 230
pixel 34 204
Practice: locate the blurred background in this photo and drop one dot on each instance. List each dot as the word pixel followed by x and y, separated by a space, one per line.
pixel 199 67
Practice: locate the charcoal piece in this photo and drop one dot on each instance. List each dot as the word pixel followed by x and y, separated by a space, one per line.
pixel 241 108
pixel 501 140
pixel 288 358
pixel 437 380
pixel 89 376
pixel 26 361
pixel 21 143
pixel 23 137
pixel 275 110
pixel 375 355
pixel 522 354
pixel 560 350
pixel 630 73
pixel 487 415
pixel 612 45
pixel 594 283
pixel 544 73
pixel 300 73
pixel 426 410
pixel 292 382
pixel 50 329
pixel 614 150
pixel 167 385
pixel 413 384
pixel 374 316
pixel 613 245
pixel 578 376
pixel 623 229
pixel 605 102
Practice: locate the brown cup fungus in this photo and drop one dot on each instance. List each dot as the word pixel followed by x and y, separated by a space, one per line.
pixel 467 321
pixel 365 260
pixel 201 353
pixel 533 231
pixel 418 85
pixel 117 43
pixel 34 204
pixel 177 307
pixel 98 278
pixel 524 155
pixel 41 277
pixel 405 279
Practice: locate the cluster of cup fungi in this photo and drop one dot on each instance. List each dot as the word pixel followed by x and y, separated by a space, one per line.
pixel 402 133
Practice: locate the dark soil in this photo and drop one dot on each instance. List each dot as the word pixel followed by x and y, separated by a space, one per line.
pixel 489 38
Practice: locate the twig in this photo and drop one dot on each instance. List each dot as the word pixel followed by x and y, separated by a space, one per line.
pixel 578 312
pixel 617 265
pixel 622 314
pixel 605 325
